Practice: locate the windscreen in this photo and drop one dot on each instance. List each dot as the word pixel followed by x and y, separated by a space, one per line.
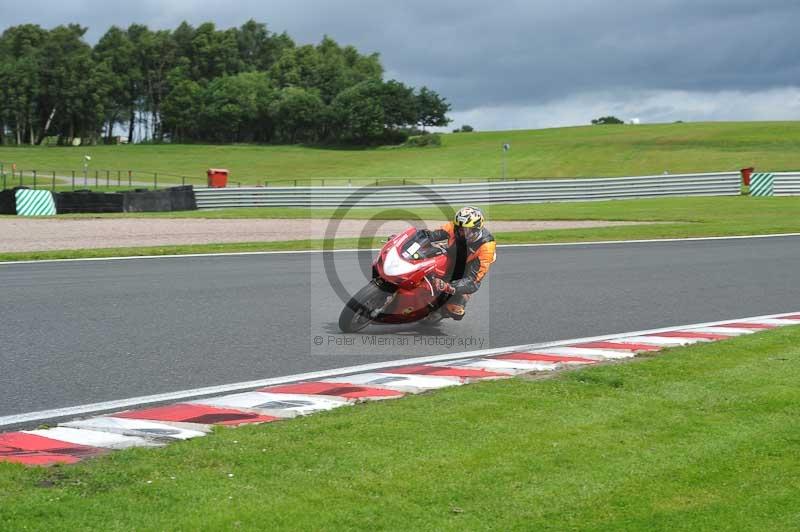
pixel 420 247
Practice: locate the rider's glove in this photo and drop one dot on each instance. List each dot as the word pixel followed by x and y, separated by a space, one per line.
pixel 440 285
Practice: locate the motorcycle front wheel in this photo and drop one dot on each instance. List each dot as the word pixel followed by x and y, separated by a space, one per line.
pixel 358 312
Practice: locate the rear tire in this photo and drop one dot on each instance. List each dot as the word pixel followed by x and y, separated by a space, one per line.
pixel 357 313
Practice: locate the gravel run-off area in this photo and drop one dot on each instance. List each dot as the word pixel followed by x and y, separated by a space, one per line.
pixel 31 234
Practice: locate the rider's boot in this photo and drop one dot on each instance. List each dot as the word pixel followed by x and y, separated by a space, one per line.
pixel 456 307
pixel 456 311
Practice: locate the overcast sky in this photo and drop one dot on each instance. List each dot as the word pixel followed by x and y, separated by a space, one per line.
pixel 525 64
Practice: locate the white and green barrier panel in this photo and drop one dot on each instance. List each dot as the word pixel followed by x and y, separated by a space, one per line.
pixel 35 203
pixel 762 184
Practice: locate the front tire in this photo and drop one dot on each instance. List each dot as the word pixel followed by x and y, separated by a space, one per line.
pixel 357 313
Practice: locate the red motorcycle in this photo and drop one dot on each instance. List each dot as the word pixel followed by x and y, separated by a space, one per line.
pixel 401 290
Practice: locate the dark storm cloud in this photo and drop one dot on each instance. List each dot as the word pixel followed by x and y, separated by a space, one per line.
pixel 513 53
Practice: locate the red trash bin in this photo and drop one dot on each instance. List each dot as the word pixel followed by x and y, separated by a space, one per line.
pixel 746 173
pixel 217 177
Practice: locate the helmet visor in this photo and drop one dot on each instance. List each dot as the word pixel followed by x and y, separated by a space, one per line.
pixel 471 234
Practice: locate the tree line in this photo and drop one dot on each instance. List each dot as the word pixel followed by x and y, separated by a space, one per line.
pixel 201 84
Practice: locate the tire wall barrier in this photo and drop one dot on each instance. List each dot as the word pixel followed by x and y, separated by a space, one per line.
pixel 87 201
pixel 8 202
pixel 171 199
pixel 182 198
pixel 146 201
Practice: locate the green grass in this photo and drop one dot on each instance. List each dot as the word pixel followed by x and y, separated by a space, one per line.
pixel 561 152
pixel 293 245
pixel 677 217
pixel 697 438
pixel 729 210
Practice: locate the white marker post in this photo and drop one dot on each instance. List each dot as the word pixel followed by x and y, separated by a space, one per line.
pixel 506 147
pixel 86 160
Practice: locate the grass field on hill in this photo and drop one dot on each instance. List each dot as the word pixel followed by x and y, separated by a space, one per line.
pixel 697 438
pixel 589 151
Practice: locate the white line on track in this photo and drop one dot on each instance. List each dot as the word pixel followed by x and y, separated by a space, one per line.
pixel 122 404
pixel 351 250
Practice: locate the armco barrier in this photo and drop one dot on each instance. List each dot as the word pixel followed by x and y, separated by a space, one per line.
pixel 786 184
pixel 716 184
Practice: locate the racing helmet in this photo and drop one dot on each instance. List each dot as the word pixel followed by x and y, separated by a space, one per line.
pixel 469 221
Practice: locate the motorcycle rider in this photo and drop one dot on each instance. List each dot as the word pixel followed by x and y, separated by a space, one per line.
pixel 474 247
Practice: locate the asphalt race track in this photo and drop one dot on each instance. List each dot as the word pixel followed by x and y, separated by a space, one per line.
pixel 80 332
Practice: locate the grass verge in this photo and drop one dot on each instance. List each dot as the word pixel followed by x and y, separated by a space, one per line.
pixel 693 439
pixel 292 245
pixel 678 217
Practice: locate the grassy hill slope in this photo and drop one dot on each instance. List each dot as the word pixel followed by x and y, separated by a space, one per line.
pixel 591 151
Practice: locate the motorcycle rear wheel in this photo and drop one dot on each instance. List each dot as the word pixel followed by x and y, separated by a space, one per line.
pixel 357 313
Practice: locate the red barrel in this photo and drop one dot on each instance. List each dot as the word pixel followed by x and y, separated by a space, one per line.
pixel 746 173
pixel 217 177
